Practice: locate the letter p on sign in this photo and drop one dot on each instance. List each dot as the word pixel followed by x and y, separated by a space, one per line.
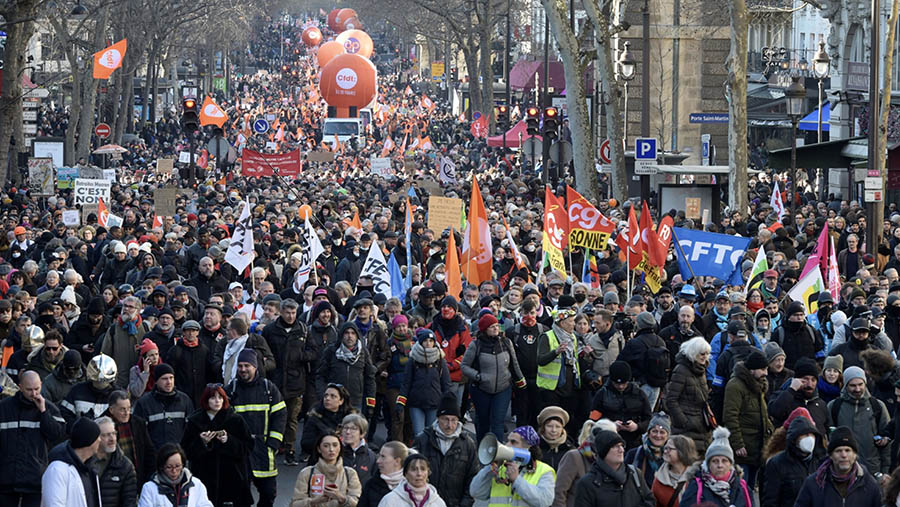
pixel 645 148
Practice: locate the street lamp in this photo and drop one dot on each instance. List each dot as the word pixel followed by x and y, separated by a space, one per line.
pixel 795 97
pixel 626 65
pixel 821 69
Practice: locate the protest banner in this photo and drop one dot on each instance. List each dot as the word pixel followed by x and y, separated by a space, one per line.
pixel 320 156
pixel 443 213
pixel 381 166
pixel 710 254
pixel 255 163
pixel 165 166
pixel 40 176
pixel 90 191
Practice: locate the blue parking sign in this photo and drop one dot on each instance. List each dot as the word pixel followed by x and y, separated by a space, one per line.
pixel 645 148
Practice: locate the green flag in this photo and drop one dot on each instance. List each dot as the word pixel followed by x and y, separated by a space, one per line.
pixel 759 268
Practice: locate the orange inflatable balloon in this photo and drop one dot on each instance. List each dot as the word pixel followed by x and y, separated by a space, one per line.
pixel 351 24
pixel 332 17
pixel 348 81
pixel 356 42
pixel 328 51
pixel 312 36
pixel 305 211
pixel 343 15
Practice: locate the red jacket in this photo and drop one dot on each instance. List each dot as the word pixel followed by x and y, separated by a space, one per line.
pixel 453 338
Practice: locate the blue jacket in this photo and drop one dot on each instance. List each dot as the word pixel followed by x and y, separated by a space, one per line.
pixel 718 348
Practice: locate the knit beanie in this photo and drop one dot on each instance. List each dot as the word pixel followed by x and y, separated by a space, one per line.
pixel 620 372
pixel 720 445
pixel 84 433
pixel 756 360
pixel 645 320
pixel 795 307
pixel 603 440
pixel 162 369
pixel 72 359
pixel 449 405
pixel 451 302
pixel 773 351
pixel 806 367
pixel 399 319
pixel 487 320
pixel 854 372
pixel 798 412
pixel 835 362
pixel 248 356
pixel 147 345
pixel 842 436
pixel 662 420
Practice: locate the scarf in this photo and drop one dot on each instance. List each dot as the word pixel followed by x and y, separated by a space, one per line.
pixel 414 493
pixel 422 355
pixel 586 451
pixel 556 442
pixel 753 306
pixel 650 453
pixel 178 492
pixel 346 355
pixel 667 477
pixel 617 475
pixel 721 320
pixel 721 489
pixel 445 441
pixel 131 326
pixel 229 358
pixel 564 337
pixel 402 345
pixel 393 479
pixel 826 469
pixel 363 328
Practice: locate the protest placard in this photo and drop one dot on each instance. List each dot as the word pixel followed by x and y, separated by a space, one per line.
pixel 90 191
pixel 165 166
pixel 164 201
pixel 381 166
pixel 70 218
pixel 444 212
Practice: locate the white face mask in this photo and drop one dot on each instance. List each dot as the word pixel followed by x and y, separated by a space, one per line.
pixel 807 443
pixel 440 277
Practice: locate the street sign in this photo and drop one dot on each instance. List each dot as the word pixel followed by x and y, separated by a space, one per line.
pixel 708 118
pixel 645 148
pixel 561 152
pixel 645 167
pixel 102 130
pixel 604 152
pixel 218 147
pixel 261 126
pixel 532 145
pixel 874 195
pixel 874 183
pixel 29 115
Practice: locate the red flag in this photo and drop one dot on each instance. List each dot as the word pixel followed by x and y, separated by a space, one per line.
pixel 102 213
pixel 479 127
pixel 649 239
pixel 629 241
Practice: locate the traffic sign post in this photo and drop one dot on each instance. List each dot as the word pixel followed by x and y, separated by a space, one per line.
pixel 102 130
pixel 605 152
pixel 704 149
pixel 261 126
pixel 645 157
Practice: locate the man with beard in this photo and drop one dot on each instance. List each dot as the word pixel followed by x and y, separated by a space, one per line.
pixel 118 481
pixel 841 478
pixel 823 314
pixel 122 340
pixel 207 281
pixel 225 353
pixel 802 392
pixel 867 417
pixel 680 332
pixel 797 338
pixel 66 374
pixel 195 253
pixel 164 408
pixel 163 334
pixel 425 309
pixel 770 287
pixel 351 265
pixel 665 305
pixel 746 415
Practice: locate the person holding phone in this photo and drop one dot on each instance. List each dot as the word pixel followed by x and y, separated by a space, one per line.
pixel 328 482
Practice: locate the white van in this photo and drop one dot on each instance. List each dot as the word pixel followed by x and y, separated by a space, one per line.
pixel 344 128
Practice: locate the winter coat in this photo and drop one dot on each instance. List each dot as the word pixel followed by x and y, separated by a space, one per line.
pixel 572 467
pixel 818 491
pixel 425 383
pixel 685 398
pixel 224 468
pixel 786 471
pixel 56 386
pixel 123 348
pixel 320 421
pixel 118 482
pixel 26 435
pixel 789 399
pixel 851 351
pixel 640 458
pixel 798 340
pixel 453 337
pixel 260 404
pixel 628 405
pixel 362 459
pixel 745 414
pixel 166 415
pixel 451 472
pixel 155 493
pixel 345 478
pixel 85 400
pixel 193 369
pixel 635 353
pixel 81 334
pixel 284 339
pixel 600 487
pixel 68 482
pixel 37 364
pixel 373 491
pixel 525 339
pixel 164 341
pixel 857 414
pixel 491 364
pixel 398 497
pixel 264 358
pixel 696 492
pixel 358 377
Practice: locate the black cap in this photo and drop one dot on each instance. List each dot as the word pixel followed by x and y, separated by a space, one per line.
pixel 756 360
pixel 842 436
pixel 449 405
pixel 620 372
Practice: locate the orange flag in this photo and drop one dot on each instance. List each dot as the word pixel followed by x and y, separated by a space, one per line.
pixel 477 255
pixel 355 222
pixel 109 59
pixel 212 114
pixel 454 280
pixel 102 213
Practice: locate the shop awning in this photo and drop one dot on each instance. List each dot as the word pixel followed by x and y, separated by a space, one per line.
pixel 521 76
pixel 811 121
pixel 512 136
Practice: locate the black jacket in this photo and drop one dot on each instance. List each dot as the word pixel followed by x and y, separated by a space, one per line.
pixel 629 405
pixel 786 471
pixel 799 340
pixel 80 334
pixel 358 377
pixel 85 400
pixel 785 403
pixel 26 435
pixel 165 413
pixel 118 482
pixel 635 353
pixel 362 459
pixel 261 406
pixel 599 487
pixel 223 468
pixel 864 492
pixel 56 386
pixel 208 286
pixel 451 473
pixel 193 369
pixel 373 491
pixel 144 458
pixel 289 346
pixel 319 422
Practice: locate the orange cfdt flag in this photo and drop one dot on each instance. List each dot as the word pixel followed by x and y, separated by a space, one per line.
pixel 477 255
pixel 109 59
pixel 212 114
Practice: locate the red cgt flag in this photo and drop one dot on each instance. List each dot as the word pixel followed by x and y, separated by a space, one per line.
pixel 479 127
pixel 629 241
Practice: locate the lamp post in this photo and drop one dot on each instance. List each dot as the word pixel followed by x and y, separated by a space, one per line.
pixel 626 66
pixel 795 96
pixel 821 68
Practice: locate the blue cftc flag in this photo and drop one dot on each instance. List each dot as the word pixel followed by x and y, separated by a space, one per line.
pixel 710 254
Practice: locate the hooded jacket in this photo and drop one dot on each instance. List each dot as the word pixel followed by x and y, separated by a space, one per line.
pixel 358 375
pixel 857 414
pixel 746 415
pixel 39 364
pixel 685 400
pixel 68 481
pixel 786 471
pixel 57 386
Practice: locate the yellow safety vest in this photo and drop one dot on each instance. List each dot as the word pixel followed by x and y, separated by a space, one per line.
pixel 548 375
pixel 502 494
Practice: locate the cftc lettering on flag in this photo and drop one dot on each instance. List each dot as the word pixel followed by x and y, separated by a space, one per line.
pixel 376 268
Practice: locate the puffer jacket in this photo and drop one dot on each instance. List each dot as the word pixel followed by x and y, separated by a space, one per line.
pixel 451 472
pixel 26 435
pixel 492 364
pixel 56 386
pixel 166 414
pixel 118 482
pixel 425 383
pixel 358 377
pixel 600 487
pixel 786 471
pixel 453 338
pixel 745 414
pixel 685 398
pixel 362 459
pixel 629 405
pixel 696 492
pixel 193 369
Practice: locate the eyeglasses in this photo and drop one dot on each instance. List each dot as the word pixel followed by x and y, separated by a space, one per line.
pixel 173 467
pixel 667 449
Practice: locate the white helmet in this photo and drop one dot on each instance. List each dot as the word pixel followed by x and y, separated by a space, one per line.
pixel 34 337
pixel 102 368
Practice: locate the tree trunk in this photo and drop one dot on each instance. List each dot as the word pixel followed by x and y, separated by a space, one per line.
pixel 471 56
pixel 736 92
pixel 89 90
pixel 576 99
pixel 883 124
pixel 607 70
pixel 145 86
pixel 17 36
pixel 486 72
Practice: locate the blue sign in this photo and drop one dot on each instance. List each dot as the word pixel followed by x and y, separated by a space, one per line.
pixel 710 254
pixel 260 126
pixel 708 118
pixel 645 148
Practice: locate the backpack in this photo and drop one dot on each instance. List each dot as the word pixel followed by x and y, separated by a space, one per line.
pixel 656 365
pixel 873 403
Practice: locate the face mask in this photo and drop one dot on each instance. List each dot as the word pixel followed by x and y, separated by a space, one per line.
pixel 440 277
pixel 670 257
pixel 529 248
pixel 433 251
pixel 471 302
pixel 529 320
pixel 580 297
pixel 807 443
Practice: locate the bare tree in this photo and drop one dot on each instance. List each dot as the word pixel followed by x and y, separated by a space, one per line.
pixel 19 27
pixel 736 93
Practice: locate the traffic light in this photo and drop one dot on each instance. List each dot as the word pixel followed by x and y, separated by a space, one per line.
pixel 533 120
pixel 502 115
pixel 551 123
pixel 190 118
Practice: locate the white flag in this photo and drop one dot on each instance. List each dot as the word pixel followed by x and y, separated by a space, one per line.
pixel 807 290
pixel 776 202
pixel 240 251
pixel 310 248
pixel 376 267
pixel 447 171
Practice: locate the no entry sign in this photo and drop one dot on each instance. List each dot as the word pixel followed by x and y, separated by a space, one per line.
pixel 102 130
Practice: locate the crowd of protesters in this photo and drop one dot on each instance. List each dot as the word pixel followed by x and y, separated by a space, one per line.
pixel 141 368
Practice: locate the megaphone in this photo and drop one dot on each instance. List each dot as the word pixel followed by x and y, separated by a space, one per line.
pixel 490 450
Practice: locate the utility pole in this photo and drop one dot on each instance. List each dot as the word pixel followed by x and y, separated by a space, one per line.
pixel 874 210
pixel 645 90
